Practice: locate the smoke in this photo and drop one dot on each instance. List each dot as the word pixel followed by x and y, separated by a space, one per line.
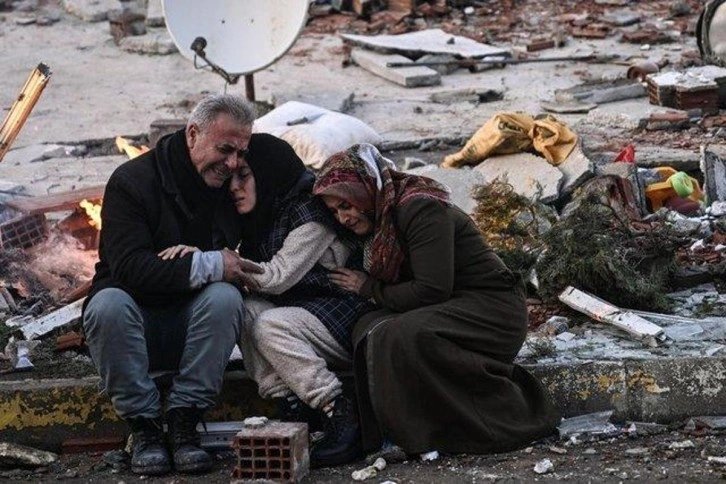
pixel 61 263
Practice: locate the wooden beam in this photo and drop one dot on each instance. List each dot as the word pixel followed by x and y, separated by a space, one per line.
pixel 22 107
pixel 56 202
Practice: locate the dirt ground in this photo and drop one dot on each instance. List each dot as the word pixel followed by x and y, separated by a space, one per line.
pixel 670 457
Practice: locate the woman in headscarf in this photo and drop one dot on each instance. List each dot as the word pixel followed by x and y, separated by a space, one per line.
pixel 298 331
pixel 434 366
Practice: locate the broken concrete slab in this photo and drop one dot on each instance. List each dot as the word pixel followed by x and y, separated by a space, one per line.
pixel 54 320
pixel 472 95
pixel 679 159
pixel 405 76
pixel 460 181
pixel 627 114
pixel 605 312
pixel 14 455
pixel 567 107
pixel 432 41
pixel 11 188
pixel 713 166
pixel 531 176
pixel 603 92
pixel 577 168
pixel 33 153
pixel 628 171
pixel 90 10
pixel 58 175
pixel 155 14
pixel 153 43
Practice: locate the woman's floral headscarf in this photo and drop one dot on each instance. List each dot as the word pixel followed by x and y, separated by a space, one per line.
pixel 365 179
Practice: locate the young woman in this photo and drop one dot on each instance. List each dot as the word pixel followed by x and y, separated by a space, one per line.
pixel 299 328
pixel 434 366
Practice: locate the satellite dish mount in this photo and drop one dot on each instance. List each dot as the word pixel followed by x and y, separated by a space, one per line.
pixel 198 46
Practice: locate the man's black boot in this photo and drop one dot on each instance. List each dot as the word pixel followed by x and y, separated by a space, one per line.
pixel 292 409
pixel 341 443
pixel 189 457
pixel 148 450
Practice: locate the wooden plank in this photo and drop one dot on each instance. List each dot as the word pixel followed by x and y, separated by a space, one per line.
pixel 56 319
pixel 406 76
pixel 57 201
pixel 605 312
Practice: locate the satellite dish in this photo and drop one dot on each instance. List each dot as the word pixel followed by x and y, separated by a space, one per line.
pixel 237 36
pixel 711 33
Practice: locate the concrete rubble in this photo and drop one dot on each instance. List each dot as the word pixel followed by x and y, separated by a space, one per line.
pixel 128 80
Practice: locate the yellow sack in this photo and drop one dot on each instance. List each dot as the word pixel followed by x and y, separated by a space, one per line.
pixel 503 134
pixel 507 133
pixel 552 139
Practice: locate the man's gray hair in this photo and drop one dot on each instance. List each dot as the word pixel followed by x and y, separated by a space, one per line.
pixel 238 108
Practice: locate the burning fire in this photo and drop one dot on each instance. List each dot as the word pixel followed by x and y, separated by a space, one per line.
pixel 93 211
pixel 131 151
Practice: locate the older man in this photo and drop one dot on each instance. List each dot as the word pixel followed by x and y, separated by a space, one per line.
pixel 146 312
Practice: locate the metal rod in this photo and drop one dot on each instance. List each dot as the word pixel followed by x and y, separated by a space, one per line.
pixel 250 87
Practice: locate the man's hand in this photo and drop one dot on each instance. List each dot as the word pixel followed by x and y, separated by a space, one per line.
pixel 237 270
pixel 177 251
pixel 348 279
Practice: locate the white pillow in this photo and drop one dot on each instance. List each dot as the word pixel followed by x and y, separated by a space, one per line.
pixel 325 133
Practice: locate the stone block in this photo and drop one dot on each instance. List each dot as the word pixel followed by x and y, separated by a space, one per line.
pixel 459 180
pixel 531 176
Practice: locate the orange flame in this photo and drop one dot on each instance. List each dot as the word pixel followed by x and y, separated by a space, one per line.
pixel 131 151
pixel 93 211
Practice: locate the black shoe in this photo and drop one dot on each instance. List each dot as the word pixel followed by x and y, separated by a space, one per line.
pixel 148 450
pixel 292 409
pixel 189 457
pixel 341 443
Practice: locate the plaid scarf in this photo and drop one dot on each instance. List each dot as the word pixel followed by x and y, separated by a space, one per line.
pixel 368 181
pixel 337 309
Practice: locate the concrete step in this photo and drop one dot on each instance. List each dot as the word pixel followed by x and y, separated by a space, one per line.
pixel 45 413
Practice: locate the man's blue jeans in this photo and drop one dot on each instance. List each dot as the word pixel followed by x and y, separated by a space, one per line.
pixel 195 339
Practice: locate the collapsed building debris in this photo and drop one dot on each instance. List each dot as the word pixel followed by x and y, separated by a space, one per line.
pixel 602 311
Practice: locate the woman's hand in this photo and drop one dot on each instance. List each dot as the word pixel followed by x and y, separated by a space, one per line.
pixel 348 279
pixel 177 251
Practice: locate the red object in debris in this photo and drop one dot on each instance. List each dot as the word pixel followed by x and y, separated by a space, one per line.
pixel 98 444
pixel 626 155
pixel 683 206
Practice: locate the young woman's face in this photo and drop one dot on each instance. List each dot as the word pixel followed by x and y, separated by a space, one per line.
pixel 243 189
pixel 348 215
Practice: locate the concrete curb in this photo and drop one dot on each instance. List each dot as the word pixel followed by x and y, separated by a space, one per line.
pixel 45 413
pixel 659 390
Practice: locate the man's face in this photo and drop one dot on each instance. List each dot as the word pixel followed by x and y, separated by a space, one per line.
pixel 217 150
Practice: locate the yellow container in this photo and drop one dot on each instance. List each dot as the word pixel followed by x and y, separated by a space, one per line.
pixel 674 184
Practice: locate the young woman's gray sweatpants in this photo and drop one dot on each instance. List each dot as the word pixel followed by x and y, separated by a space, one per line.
pixel 194 338
pixel 288 350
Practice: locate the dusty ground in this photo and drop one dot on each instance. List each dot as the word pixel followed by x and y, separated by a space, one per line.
pixel 671 457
